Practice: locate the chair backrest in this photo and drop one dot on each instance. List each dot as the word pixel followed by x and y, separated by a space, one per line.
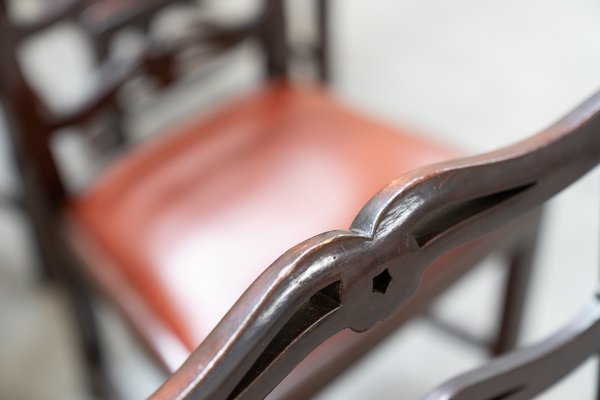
pixel 32 126
pixel 354 278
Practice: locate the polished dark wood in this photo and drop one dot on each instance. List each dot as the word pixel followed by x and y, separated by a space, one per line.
pixel 342 279
pixel 528 372
pixel 316 372
pixel 515 292
pixel 355 278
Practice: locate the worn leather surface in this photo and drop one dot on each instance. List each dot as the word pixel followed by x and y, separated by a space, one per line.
pixel 192 218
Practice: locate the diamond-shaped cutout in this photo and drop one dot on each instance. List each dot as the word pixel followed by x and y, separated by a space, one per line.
pixel 382 281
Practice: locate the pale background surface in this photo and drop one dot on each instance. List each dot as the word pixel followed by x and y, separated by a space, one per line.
pixel 478 73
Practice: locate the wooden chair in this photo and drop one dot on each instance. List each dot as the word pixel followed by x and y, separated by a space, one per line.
pixel 102 21
pixel 331 282
pixel 175 231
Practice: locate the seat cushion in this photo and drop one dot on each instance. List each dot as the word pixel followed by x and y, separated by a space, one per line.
pixel 191 218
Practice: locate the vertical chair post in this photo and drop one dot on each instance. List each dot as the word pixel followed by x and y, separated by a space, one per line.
pixel 520 266
pixel 80 300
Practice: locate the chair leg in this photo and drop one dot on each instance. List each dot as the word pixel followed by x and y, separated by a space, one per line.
pixel 81 302
pixel 54 266
pixel 520 263
pixel 16 203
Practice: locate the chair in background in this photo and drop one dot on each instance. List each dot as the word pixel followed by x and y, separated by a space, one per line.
pixel 102 21
pixel 105 19
pixel 174 231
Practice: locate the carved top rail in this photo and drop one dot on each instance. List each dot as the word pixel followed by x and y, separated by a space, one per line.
pixel 101 17
pixel 155 58
pixel 357 277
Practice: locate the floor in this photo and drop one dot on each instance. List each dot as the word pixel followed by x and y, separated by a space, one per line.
pixel 478 73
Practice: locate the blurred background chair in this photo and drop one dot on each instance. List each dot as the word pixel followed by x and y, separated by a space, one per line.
pixel 373 189
pixel 102 23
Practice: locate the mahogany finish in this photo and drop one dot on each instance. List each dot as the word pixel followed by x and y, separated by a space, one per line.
pixel 169 213
pixel 128 230
pixel 528 372
pixel 333 281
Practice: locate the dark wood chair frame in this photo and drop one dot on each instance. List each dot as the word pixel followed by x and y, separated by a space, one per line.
pixel 102 31
pixel 116 17
pixel 392 240
pixel 562 153
pixel 324 285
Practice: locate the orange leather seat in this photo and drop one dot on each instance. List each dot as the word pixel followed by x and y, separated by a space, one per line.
pixel 190 219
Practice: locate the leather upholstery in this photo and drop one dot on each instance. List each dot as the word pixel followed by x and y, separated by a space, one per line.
pixel 190 219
